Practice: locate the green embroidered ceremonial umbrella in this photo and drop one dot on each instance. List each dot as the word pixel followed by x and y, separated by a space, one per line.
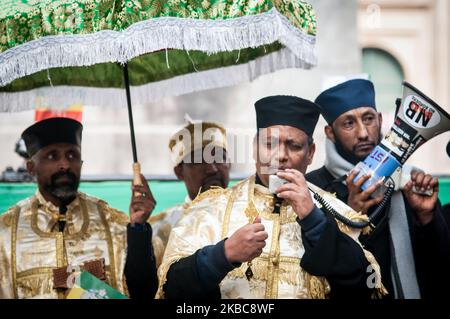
pixel 87 51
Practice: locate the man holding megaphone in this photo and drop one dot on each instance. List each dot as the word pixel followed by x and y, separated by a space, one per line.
pixel 266 237
pixel 410 239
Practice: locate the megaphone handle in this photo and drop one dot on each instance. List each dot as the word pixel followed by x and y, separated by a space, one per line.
pixel 137 176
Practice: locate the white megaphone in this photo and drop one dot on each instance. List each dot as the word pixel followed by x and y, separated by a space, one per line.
pixel 418 120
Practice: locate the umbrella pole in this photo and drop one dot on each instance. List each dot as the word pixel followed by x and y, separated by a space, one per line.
pixel 136 165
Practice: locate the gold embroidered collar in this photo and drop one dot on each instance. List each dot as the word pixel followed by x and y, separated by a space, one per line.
pixel 40 206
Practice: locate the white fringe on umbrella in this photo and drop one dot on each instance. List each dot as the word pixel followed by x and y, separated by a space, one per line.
pixel 64 96
pixel 156 34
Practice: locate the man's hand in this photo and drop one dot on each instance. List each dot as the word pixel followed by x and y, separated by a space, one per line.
pixel 246 243
pixel 142 203
pixel 359 200
pixel 296 192
pixel 422 205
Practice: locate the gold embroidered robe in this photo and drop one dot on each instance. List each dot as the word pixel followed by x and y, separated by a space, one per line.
pixel 217 214
pixel 31 247
pixel 162 225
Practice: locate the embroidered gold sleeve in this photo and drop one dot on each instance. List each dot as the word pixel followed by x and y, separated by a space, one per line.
pixel 114 215
pixel 200 227
pixel 117 222
pixel 6 279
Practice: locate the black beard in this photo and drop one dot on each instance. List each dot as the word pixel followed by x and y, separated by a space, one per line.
pixel 67 191
pixel 207 186
pixel 349 156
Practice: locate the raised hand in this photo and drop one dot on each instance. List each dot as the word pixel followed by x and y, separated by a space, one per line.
pixel 296 192
pixel 142 202
pixel 361 201
pixel 422 205
pixel 246 243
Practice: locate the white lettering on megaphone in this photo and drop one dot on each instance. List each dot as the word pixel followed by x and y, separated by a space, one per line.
pixel 419 113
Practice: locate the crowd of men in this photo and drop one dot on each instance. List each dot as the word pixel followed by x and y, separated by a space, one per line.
pixel 246 241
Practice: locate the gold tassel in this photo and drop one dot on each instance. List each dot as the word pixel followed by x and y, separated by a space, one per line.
pixel 318 287
pixel 289 273
pixel 158 249
pixel 356 217
pixel 162 275
pixel 380 290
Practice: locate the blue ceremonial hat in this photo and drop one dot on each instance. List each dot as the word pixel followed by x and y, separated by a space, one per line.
pixel 345 97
